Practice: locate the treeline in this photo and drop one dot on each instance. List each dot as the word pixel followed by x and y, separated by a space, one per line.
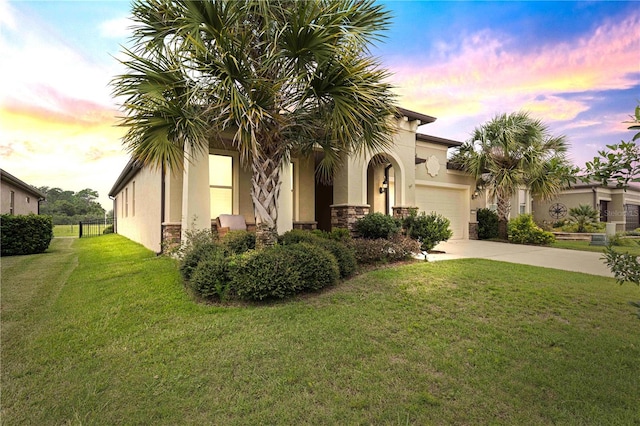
pixel 68 207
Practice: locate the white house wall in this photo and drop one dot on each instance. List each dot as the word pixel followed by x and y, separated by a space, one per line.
pixel 23 202
pixel 138 209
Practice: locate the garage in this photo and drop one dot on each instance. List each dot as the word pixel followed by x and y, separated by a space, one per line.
pixel 451 203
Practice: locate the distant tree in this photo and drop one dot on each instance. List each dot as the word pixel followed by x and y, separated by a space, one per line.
pixel 514 151
pixel 69 207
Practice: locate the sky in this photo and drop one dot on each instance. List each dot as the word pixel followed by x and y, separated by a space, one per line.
pixel 574 65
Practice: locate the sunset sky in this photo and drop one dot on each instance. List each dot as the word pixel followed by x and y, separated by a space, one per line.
pixel 575 65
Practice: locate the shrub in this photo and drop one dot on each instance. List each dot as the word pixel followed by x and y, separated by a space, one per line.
pixel 238 242
pixel 108 229
pixel 283 270
pixel 523 230
pixel 428 230
pixel 487 224
pixel 381 250
pixel 338 234
pixel 200 245
pixel 582 216
pixel 343 253
pixel 590 227
pixel 377 225
pixel 297 236
pixel 211 277
pixel 25 234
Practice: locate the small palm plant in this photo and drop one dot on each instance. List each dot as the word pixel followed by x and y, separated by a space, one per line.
pixel 583 216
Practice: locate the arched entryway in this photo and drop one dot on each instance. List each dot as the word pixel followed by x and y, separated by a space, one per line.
pixel 383 184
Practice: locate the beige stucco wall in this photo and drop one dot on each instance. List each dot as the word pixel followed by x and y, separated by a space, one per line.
pixel 138 218
pixel 23 202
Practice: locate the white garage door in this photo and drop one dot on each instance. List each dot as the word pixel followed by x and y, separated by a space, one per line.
pixel 450 203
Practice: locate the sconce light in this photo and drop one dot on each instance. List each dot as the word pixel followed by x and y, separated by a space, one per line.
pixel 384 186
pixel 475 194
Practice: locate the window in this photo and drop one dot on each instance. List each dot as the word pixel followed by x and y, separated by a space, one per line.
pixel 28 200
pixel 12 201
pixel 523 201
pixel 133 199
pixel 604 211
pixel 221 185
pixel 126 202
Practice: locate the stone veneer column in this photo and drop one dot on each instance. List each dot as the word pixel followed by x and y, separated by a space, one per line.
pixel 306 226
pixel 402 212
pixel 473 231
pixel 345 215
pixel 171 233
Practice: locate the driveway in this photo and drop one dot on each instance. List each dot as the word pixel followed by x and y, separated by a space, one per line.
pixel 568 260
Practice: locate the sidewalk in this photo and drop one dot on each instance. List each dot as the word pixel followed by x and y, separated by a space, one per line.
pixel 568 260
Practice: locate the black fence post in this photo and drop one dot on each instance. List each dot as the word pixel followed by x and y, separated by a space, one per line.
pixel 80 229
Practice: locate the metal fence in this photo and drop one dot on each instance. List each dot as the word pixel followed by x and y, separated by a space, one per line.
pixel 94 228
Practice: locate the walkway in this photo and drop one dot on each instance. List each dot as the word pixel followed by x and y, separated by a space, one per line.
pixel 568 260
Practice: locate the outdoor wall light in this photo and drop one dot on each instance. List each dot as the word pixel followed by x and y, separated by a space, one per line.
pixel 384 186
pixel 475 194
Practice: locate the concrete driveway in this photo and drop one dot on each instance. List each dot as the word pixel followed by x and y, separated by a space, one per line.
pixel 568 260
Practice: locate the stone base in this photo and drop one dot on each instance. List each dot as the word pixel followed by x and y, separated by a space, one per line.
pixel 171 236
pixel 402 212
pixel 306 226
pixel 473 230
pixel 345 215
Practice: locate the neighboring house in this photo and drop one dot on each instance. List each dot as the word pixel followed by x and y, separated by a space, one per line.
pixel 155 206
pixel 18 197
pixel 615 205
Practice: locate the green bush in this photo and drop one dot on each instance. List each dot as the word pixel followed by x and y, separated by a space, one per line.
pixel 428 230
pixel 108 229
pixel 377 225
pixel 343 253
pixel 25 234
pixel 211 277
pixel 523 230
pixel 283 270
pixel 382 250
pixel 295 236
pixel 199 245
pixel 487 224
pixel 238 242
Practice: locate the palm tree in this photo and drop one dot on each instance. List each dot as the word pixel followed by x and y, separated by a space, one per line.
pixel 583 216
pixel 285 77
pixel 511 152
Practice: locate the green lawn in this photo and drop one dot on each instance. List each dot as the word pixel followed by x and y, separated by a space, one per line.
pixel 100 331
pixel 633 248
pixel 65 230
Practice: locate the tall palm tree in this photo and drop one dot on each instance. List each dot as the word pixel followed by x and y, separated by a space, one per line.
pixel 285 77
pixel 511 152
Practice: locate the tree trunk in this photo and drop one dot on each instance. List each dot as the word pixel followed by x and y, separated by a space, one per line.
pixel 264 193
pixel 503 202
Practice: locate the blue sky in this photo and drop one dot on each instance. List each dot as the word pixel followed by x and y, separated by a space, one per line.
pixel 575 65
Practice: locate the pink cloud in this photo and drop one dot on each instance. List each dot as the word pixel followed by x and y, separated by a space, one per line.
pixel 485 74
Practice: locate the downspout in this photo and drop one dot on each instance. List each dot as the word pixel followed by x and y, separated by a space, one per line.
pixel 595 202
pixel 386 193
pixel 162 205
pixel 113 209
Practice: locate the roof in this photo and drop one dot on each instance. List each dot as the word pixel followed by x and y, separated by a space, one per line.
pixel 129 171
pixel 423 118
pixel 450 143
pixel 8 177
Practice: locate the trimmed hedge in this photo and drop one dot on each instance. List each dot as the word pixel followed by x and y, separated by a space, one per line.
pixel 211 277
pixel 238 242
pixel 377 225
pixel 25 234
pixel 332 242
pixel 523 230
pixel 283 270
pixel 487 224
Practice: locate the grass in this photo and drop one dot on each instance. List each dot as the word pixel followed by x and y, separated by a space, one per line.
pixel 632 248
pixel 100 331
pixel 65 230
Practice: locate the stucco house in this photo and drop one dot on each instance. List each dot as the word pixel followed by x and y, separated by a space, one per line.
pixel 156 206
pixel 18 197
pixel 616 205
